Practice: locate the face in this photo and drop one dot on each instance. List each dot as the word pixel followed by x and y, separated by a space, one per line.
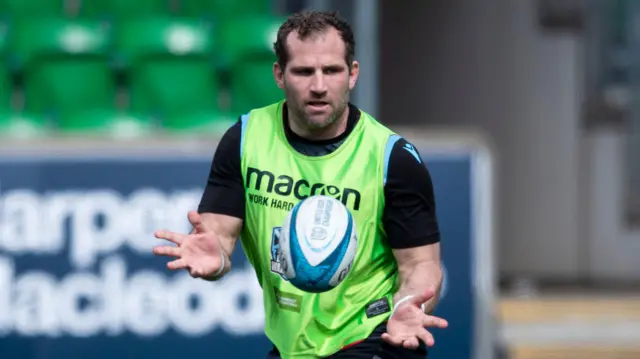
pixel 316 80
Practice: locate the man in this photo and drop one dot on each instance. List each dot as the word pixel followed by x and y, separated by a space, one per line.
pixel 317 139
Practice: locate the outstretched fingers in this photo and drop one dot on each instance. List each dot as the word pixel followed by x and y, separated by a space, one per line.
pixel 172 237
pixel 426 337
pixel 177 264
pixel 168 251
pixel 431 321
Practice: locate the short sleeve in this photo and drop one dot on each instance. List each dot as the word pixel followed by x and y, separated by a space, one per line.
pixel 409 217
pixel 224 192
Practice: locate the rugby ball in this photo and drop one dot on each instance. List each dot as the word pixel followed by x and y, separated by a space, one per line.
pixel 318 244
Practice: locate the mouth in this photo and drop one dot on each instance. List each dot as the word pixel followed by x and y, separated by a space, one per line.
pixel 317 105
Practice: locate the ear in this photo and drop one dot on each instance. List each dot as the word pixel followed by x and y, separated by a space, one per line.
pixel 278 74
pixel 353 74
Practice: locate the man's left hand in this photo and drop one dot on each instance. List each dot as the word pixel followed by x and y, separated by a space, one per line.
pixel 407 325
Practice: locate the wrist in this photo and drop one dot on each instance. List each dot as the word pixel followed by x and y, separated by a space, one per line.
pixel 224 262
pixel 404 300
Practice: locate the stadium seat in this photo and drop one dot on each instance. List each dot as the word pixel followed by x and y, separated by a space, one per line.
pixel 170 67
pixel 12 9
pixel 22 125
pixel 223 9
pixel 64 65
pixel 247 44
pixel 201 122
pixel 12 123
pixel 110 122
pixel 123 9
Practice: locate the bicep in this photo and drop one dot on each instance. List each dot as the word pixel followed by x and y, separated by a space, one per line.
pixel 224 191
pixel 227 228
pixel 409 216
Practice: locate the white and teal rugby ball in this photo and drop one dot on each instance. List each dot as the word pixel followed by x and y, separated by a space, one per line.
pixel 318 244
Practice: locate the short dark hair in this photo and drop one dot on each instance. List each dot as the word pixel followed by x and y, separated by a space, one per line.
pixel 310 23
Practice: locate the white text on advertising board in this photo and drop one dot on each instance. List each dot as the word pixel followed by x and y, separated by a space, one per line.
pixel 99 293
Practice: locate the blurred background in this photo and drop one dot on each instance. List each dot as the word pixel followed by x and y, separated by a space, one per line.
pixel 110 111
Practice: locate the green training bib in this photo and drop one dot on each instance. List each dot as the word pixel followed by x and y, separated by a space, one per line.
pixel 276 177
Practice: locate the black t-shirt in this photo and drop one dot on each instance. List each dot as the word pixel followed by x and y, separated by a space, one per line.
pixel 409 216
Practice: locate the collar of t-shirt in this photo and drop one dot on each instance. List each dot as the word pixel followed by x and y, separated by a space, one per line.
pixel 319 147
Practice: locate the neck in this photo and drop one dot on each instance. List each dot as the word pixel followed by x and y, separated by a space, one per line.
pixel 332 131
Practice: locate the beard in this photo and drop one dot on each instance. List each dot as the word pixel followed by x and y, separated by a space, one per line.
pixel 316 121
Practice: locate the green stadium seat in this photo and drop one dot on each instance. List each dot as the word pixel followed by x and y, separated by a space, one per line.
pixel 170 67
pixel 223 9
pixel 107 122
pixel 23 125
pixel 252 85
pixel 200 122
pixel 247 44
pixel 64 65
pixel 12 9
pixel 123 9
pixel 250 35
pixel 12 123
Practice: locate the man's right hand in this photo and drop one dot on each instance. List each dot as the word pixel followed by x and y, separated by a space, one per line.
pixel 199 252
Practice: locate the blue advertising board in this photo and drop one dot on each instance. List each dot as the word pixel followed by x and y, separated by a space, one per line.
pixel 77 278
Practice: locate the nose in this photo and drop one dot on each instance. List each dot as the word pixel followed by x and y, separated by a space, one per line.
pixel 318 84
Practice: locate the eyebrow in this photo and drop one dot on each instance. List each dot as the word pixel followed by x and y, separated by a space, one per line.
pixel 325 67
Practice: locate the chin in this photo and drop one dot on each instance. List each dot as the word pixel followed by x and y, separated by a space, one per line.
pixel 319 123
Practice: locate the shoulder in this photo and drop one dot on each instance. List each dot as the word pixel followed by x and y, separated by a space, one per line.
pixel 258 121
pixel 261 114
pixel 405 169
pixel 375 128
pixel 405 151
pixel 237 126
pixel 233 133
pixel 246 123
pixel 402 158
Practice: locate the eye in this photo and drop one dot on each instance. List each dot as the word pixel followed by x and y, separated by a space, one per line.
pixel 302 71
pixel 332 70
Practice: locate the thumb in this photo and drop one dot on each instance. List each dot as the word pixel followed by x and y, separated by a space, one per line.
pixel 425 296
pixel 196 221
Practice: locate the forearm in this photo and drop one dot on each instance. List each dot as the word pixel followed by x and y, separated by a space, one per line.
pixel 419 279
